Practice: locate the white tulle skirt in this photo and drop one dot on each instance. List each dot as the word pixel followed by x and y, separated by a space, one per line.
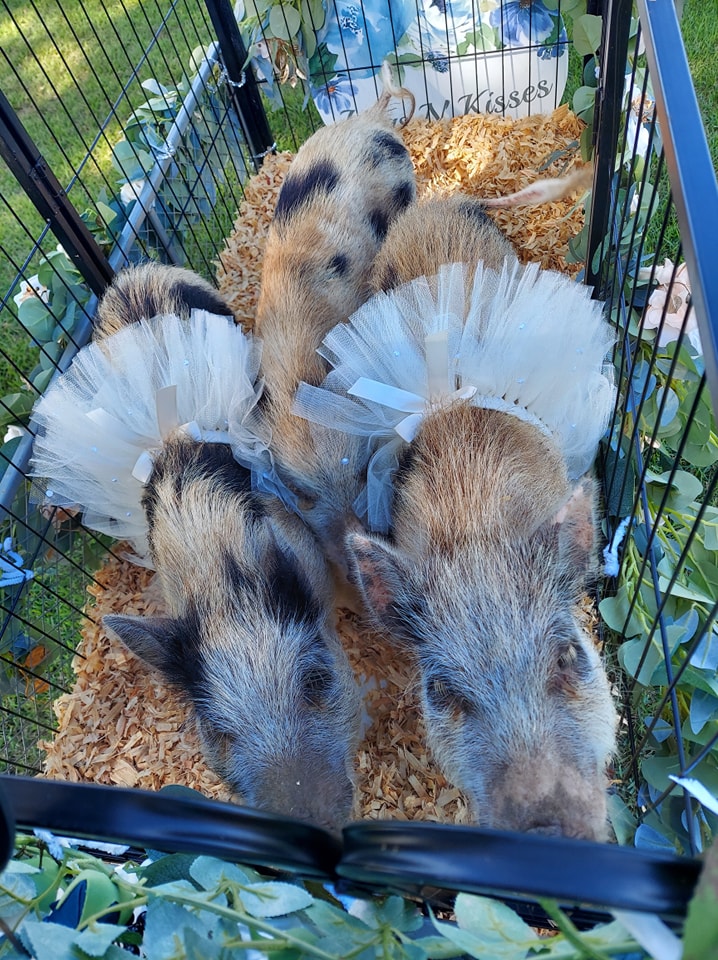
pixel 100 424
pixel 531 343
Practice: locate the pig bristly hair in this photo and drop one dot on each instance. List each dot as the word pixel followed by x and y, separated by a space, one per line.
pixel 154 289
pixel 480 583
pixel 155 432
pixel 345 187
pixel 249 640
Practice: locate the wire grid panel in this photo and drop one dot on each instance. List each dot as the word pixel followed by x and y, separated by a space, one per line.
pixel 144 140
pixel 659 458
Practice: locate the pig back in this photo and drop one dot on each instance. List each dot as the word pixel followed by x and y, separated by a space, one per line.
pixel 446 229
pixel 475 474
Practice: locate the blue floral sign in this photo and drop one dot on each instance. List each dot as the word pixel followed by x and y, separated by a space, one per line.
pixel 456 56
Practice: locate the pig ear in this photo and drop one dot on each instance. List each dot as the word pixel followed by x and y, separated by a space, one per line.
pixel 577 530
pixel 150 638
pixel 378 570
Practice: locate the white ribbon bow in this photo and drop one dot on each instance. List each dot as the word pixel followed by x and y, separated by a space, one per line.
pixel 167 422
pixel 440 390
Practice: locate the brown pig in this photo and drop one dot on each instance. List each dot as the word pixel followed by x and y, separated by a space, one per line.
pixel 489 554
pixel 346 185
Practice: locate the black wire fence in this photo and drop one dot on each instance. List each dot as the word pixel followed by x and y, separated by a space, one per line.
pixel 150 160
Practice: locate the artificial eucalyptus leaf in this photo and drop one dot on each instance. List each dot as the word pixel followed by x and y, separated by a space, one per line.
pixel 643 662
pixel 705 655
pixel 587 34
pixel 284 21
pixel 668 405
pixel 36 318
pixel 309 40
pixel 684 591
pixel 167 869
pixel 615 613
pixel 583 98
pixel 49 941
pixel 165 923
pixel 275 899
pixel 16 407
pixel 649 838
pixel 704 707
pixel 313 16
pixel 209 872
pixel 392 911
pixel 490 919
pixel 96 939
pixel 438 948
pixel 41 380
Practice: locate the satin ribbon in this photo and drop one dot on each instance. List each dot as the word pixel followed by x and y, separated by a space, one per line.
pixel 167 422
pixel 439 390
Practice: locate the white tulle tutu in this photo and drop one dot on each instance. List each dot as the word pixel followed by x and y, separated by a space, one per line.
pixel 100 423
pixel 532 344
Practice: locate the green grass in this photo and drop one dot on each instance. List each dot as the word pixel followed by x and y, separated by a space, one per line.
pixel 699 26
pixel 700 36
pixel 68 109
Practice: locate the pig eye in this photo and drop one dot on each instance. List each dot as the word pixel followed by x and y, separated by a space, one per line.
pixel 572 667
pixel 567 657
pixel 317 685
pixel 447 698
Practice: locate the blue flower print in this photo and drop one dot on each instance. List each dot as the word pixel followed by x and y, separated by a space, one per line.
pixel 551 50
pixel 335 97
pixel 519 24
pixel 362 34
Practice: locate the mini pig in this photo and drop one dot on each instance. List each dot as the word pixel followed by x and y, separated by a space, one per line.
pixel 491 521
pixel 454 228
pixel 346 185
pixel 249 638
pixel 490 552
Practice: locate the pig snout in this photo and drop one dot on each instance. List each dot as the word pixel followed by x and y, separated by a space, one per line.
pixel 547 796
pixel 537 790
pixel 317 789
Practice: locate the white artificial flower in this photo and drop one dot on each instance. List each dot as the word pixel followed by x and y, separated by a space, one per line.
pixel 132 190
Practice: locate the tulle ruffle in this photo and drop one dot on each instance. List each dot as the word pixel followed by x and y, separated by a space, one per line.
pixel 100 423
pixel 532 343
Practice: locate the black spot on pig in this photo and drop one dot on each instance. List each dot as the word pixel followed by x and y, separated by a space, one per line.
pixel 198 298
pixel 289 591
pixel 404 194
pixel 474 212
pixel 379 222
pixel 186 462
pixel 384 147
pixel 339 264
pixel 298 190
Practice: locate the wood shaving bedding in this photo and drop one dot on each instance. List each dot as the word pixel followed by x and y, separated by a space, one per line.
pixel 121 724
